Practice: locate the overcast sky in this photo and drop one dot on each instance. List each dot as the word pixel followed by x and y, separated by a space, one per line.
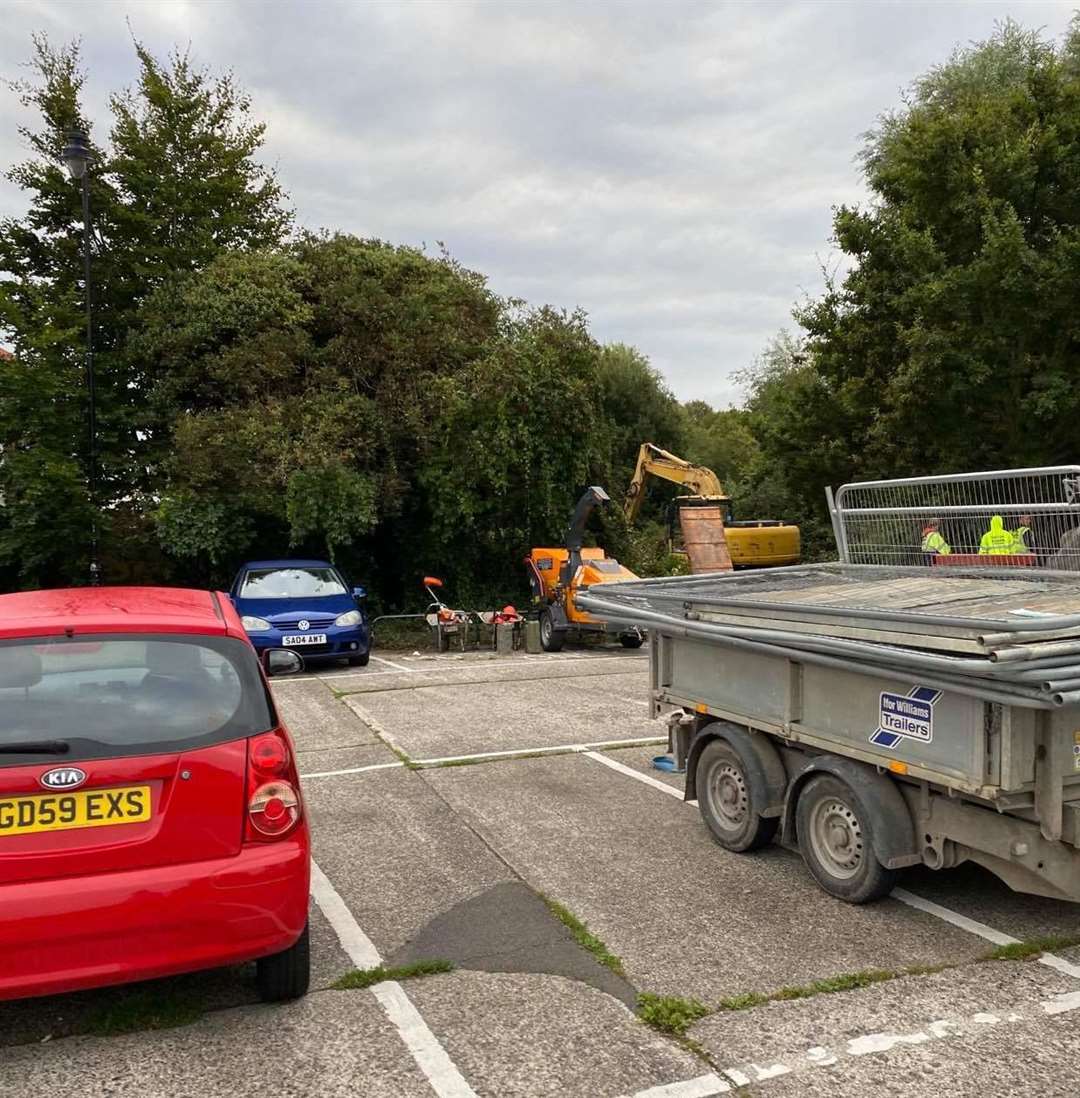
pixel 670 167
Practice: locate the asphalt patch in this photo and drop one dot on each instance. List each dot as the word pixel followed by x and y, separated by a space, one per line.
pixel 509 928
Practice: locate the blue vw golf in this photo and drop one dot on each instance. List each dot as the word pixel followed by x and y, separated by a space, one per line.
pixel 304 605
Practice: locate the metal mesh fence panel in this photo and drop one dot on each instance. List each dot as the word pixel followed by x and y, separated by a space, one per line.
pixel 1027 518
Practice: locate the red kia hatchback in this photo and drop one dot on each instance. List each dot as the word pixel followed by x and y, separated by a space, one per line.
pixel 151 821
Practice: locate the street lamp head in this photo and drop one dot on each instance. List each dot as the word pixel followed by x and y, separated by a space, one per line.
pixel 76 154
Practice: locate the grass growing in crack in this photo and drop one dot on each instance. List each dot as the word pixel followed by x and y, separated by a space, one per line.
pixel 746 1001
pixel 146 1008
pixel 848 981
pixel 669 1013
pixel 366 977
pixel 1033 947
pixel 585 937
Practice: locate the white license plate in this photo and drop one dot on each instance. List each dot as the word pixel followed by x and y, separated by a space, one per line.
pixel 299 639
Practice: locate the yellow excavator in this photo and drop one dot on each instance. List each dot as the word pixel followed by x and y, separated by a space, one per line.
pixel 712 540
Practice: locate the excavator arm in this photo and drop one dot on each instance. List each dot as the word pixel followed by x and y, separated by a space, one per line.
pixel 652 461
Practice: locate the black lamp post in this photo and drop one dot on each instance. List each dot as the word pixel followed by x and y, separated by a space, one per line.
pixel 77 156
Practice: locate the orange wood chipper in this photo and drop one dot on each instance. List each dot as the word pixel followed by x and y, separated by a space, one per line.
pixel 556 574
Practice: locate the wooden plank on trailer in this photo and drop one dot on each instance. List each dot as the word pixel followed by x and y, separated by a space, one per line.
pixel 704 538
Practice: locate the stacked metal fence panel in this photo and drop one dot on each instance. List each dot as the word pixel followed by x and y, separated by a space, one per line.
pixel 1009 635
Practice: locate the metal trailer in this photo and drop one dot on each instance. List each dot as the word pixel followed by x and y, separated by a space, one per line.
pixel 884 716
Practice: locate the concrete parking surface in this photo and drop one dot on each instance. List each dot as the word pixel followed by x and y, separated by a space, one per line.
pixel 460 803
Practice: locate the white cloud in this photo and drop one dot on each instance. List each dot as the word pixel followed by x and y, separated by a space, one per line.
pixel 670 168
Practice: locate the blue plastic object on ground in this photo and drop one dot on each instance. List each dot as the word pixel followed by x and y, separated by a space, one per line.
pixel 666 762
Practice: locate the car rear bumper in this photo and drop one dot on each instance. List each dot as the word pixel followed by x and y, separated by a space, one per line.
pixel 111 928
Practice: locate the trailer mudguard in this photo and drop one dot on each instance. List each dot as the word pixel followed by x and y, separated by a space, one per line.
pixel 892 830
pixel 761 759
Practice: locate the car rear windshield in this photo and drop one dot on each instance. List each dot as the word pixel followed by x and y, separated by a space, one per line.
pixel 291 583
pixel 111 695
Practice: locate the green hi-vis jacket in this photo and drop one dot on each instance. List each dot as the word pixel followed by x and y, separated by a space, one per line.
pixel 997 541
pixel 933 542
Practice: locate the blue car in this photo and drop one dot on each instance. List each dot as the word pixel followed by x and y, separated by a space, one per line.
pixel 302 605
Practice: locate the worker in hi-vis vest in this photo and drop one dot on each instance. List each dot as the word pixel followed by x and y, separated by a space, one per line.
pixel 932 541
pixel 1020 547
pixel 997 541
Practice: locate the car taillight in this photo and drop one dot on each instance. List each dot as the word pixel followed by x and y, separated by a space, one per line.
pixel 274 806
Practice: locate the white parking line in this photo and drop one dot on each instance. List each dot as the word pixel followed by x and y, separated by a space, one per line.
pixel 953 917
pixel 359 947
pixel 961 922
pixel 629 771
pixel 981 929
pixel 351 770
pixel 396 666
pixel 517 752
pixel 468 665
pixel 431 1058
pixel 563 749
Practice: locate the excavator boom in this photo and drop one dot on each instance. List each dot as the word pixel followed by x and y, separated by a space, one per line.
pixel 653 461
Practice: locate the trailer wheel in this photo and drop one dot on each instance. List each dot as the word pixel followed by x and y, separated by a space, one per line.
pixel 551 639
pixel 834 840
pixel 729 800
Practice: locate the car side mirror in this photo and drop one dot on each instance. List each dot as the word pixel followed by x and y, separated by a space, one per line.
pixel 359 592
pixel 281 661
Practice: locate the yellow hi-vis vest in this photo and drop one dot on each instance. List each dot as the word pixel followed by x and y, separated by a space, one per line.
pixel 997 541
pixel 1020 545
pixel 935 543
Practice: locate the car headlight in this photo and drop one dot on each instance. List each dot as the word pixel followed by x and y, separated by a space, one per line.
pixel 350 617
pixel 254 625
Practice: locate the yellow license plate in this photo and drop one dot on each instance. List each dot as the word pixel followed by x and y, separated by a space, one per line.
pixel 67 811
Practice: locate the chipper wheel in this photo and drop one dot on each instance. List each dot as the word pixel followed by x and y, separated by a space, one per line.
pixel 834 838
pixel 551 639
pixel 730 800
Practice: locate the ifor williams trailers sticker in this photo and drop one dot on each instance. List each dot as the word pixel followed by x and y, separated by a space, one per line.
pixel 906 716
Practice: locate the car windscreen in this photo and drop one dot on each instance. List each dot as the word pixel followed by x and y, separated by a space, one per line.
pixel 291 583
pixel 113 695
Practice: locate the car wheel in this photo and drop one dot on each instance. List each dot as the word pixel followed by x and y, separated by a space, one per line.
pixel 551 639
pixel 835 843
pixel 729 800
pixel 285 975
pixel 360 661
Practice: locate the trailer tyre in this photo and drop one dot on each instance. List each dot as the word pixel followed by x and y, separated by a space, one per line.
pixel 834 838
pixel 551 639
pixel 730 800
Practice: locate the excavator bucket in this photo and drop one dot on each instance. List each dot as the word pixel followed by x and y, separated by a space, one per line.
pixel 703 536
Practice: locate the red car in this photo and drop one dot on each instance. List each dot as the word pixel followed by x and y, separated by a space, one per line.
pixel 151 820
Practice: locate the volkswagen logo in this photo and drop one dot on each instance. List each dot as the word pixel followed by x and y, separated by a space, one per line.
pixel 303 624
pixel 63 777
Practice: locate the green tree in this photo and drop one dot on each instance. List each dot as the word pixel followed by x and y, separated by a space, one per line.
pixel 176 183
pixel 953 339
pixel 802 442
pixel 950 341
pixel 300 387
pixel 521 436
